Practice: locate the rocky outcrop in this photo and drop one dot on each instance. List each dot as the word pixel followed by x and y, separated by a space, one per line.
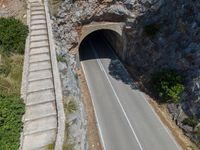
pixel 176 44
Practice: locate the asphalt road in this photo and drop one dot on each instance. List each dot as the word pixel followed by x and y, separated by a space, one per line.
pixel 125 119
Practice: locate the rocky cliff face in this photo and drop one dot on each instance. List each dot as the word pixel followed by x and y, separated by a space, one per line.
pixel 175 43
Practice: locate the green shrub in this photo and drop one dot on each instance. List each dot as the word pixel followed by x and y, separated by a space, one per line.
pixel 151 29
pixel 61 58
pixel 11 112
pixel 191 121
pixel 71 106
pixel 13 35
pixel 168 84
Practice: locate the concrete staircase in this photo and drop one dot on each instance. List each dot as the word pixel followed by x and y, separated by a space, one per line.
pixel 40 119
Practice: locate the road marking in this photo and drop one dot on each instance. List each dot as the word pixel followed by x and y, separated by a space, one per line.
pixel 146 101
pixel 165 128
pixel 129 123
pixel 95 112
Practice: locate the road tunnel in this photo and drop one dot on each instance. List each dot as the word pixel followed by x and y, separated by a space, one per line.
pixel 104 39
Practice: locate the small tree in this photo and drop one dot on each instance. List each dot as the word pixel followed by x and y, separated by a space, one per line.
pixel 168 84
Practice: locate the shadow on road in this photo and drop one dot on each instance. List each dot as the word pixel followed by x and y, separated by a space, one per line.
pixel 96 47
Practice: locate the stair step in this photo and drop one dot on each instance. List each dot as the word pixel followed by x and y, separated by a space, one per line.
pixel 40 85
pixel 40 66
pixel 40 111
pixel 37 5
pixel 35 51
pixel 39 37
pixel 39 125
pixel 36 17
pixel 35 22
pixel 38 27
pixel 39 44
pixel 42 139
pixel 38 12
pixel 38 32
pixel 41 8
pixel 39 58
pixel 33 1
pixel 39 75
pixel 40 97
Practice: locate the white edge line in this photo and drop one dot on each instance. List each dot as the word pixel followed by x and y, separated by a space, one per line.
pixel 164 126
pixel 95 112
pixel 129 123
pixel 124 112
pixel 146 101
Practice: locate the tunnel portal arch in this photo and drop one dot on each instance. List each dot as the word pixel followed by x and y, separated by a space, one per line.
pixel 113 33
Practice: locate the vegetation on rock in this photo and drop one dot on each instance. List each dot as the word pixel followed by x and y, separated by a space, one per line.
pixel 191 121
pixel 168 84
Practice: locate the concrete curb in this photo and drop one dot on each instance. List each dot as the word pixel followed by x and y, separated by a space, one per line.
pixel 26 58
pixel 24 82
pixel 57 84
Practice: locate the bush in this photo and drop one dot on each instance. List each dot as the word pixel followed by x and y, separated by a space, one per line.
pixel 71 107
pixel 13 35
pixel 191 121
pixel 151 29
pixel 11 112
pixel 61 58
pixel 168 84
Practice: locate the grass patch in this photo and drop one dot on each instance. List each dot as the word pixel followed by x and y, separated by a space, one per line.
pixel 11 111
pixel 61 58
pixel 66 145
pixel 70 106
pixel 168 84
pixel 51 146
pixel 10 77
pixel 5 65
pixel 13 35
pixel 12 42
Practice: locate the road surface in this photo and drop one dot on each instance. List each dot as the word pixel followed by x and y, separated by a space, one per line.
pixel 125 119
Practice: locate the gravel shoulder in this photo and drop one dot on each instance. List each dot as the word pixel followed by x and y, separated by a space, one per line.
pixel 92 131
pixel 164 115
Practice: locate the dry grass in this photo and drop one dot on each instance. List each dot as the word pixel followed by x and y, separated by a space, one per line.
pixel 10 79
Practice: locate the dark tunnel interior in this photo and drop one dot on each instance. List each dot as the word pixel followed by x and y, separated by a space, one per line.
pixel 111 39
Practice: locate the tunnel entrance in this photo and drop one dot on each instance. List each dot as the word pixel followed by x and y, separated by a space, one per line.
pixel 104 39
pixel 101 51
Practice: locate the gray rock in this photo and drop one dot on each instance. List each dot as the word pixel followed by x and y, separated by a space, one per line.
pixel 175 44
